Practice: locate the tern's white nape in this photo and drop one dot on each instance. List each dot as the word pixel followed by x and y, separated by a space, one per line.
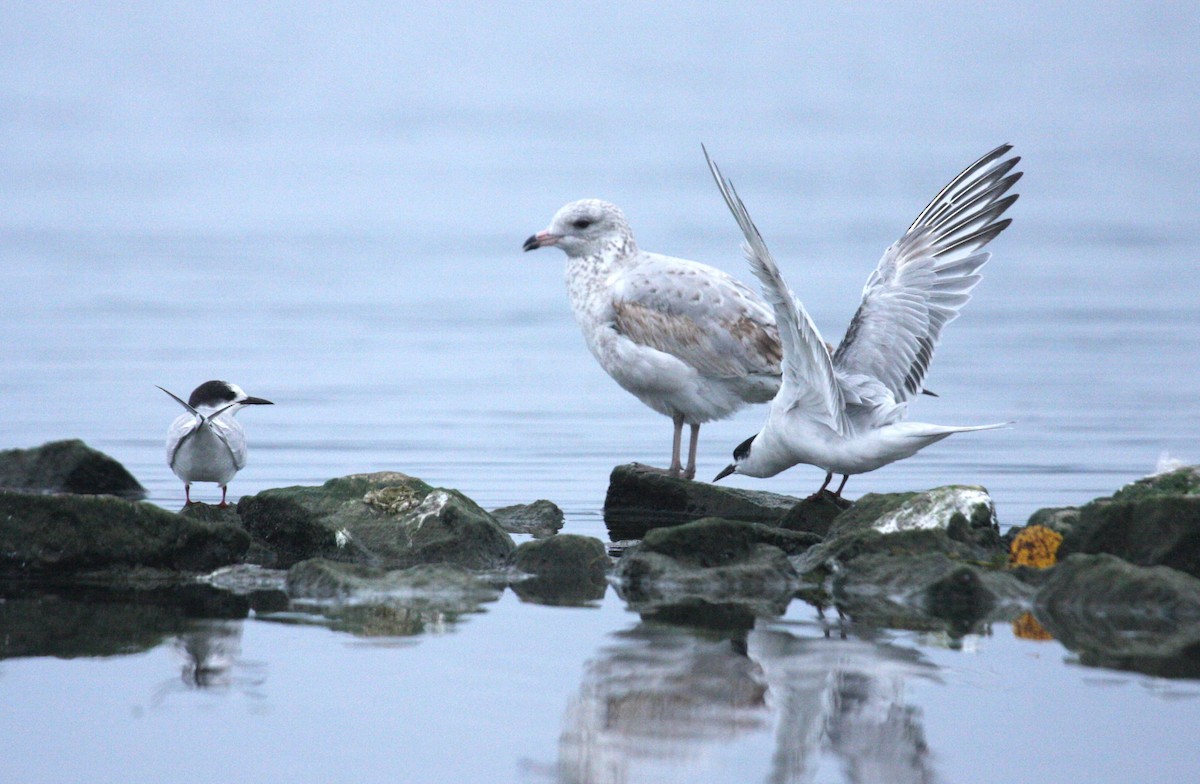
pixel 207 444
pixel 843 410
pixel 686 339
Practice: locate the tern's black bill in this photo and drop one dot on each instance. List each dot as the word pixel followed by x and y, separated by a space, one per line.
pixel 726 471
pixel 257 401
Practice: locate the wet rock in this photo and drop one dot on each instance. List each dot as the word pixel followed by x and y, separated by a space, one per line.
pixel 66 467
pixel 541 518
pixel 1061 519
pixel 815 515
pixel 387 519
pixel 957 520
pixel 568 569
pixel 92 621
pixel 1154 521
pixel 44 534
pixel 371 601
pixel 640 499
pixel 925 590
pixel 1118 615
pixel 716 561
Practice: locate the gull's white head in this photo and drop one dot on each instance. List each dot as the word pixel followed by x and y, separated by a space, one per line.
pixel 213 395
pixel 585 228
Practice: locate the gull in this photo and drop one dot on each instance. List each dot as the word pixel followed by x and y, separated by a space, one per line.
pixel 688 340
pixel 843 410
pixel 207 444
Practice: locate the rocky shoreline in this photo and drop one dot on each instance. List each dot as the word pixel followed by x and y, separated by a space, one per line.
pixel 1116 580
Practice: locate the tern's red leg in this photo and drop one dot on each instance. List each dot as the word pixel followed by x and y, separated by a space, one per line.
pixel 222 505
pixel 838 494
pixel 187 494
pixel 821 489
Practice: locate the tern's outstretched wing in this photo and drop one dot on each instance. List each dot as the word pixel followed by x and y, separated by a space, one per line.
pixel 808 376
pixel 926 276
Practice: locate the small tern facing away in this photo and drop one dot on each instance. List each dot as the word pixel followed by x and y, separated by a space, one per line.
pixel 207 444
pixel 843 410
pixel 686 339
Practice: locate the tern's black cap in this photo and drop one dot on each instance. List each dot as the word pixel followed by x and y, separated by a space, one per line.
pixel 211 394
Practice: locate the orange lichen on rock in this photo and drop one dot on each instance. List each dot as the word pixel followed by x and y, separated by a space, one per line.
pixel 1036 546
pixel 1027 627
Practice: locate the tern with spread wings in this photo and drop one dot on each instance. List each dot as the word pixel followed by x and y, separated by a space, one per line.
pixel 843 411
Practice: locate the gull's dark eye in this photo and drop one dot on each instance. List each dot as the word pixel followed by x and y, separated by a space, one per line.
pixel 582 223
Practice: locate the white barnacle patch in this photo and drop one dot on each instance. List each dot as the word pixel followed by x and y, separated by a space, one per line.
pixel 934 508
pixel 342 538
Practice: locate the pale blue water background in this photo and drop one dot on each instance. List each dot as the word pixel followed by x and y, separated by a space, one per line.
pixel 326 205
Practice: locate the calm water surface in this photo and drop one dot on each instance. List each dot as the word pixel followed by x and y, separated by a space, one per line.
pixel 327 208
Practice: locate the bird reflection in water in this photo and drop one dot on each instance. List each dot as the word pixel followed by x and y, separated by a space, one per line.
pixel 658 702
pixel 211 662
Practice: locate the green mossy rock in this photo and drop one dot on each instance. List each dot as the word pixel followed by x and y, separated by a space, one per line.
pixel 56 534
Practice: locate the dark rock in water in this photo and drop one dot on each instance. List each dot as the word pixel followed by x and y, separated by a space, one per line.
pixel 1154 521
pixel 386 519
pixel 44 534
pixel 921 588
pixel 714 561
pixel 375 602
pixel 1060 519
pixel 66 467
pixel 640 499
pixel 815 515
pixel 1118 615
pixel 92 621
pixel 541 518
pixel 568 569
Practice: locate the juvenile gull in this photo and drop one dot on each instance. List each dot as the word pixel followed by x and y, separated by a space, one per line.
pixel 207 444
pixel 686 339
pixel 842 411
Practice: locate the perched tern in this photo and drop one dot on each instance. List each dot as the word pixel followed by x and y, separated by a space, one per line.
pixel 686 339
pixel 842 410
pixel 207 444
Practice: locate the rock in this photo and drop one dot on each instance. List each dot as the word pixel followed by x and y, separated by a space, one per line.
pixel 568 569
pixel 66 467
pixel 713 561
pixel 43 534
pixel 387 519
pixel 1061 519
pixel 374 602
pixel 640 499
pixel 99 621
pixel 920 589
pixel 1147 532
pixel 815 515
pixel 957 520
pixel 1118 615
pixel 541 518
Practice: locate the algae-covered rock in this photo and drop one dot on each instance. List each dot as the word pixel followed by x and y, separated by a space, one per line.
pixel 1147 532
pixel 724 562
pixel 957 520
pixel 387 519
pixel 44 534
pixel 640 498
pixel 69 466
pixel 568 569
pixel 815 515
pixel 541 518
pixel 1118 615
